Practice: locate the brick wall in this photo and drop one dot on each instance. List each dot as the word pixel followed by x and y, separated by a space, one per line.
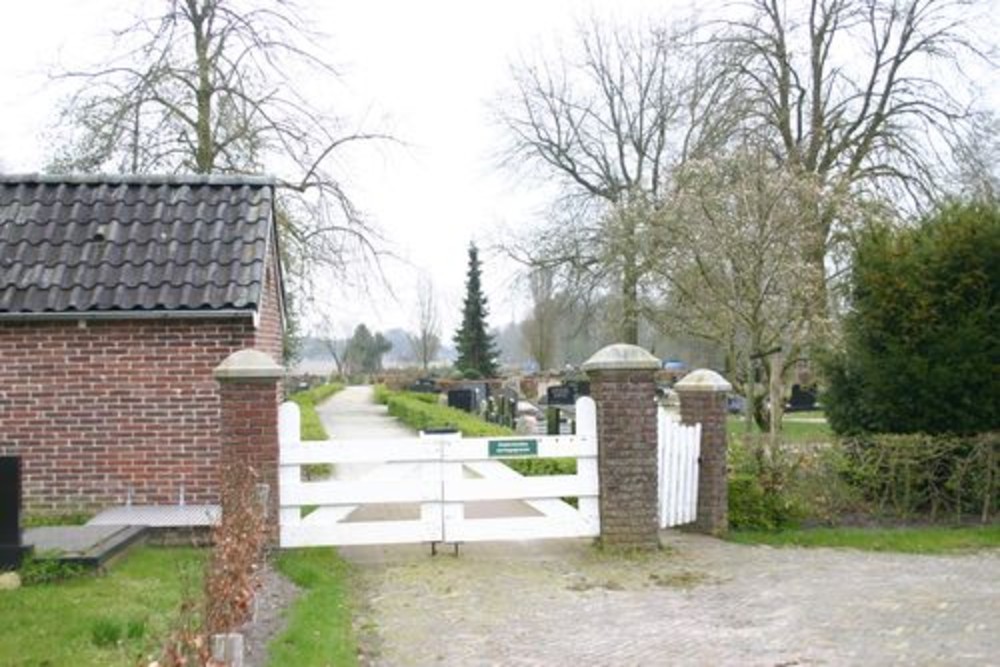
pixel 96 410
pixel 269 329
pixel 100 408
pixel 626 430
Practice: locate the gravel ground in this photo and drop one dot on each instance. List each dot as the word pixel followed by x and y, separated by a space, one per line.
pixel 274 599
pixel 699 602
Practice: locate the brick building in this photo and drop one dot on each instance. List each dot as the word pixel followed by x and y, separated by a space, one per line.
pixel 118 298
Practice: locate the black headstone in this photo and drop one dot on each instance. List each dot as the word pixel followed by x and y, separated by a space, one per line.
pixel 463 399
pixel 424 385
pixel 561 395
pixel 802 398
pixel 11 550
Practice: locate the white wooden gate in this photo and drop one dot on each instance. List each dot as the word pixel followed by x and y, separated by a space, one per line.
pixel 418 489
pixel 679 449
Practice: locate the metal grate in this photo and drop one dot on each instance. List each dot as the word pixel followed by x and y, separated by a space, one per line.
pixel 158 516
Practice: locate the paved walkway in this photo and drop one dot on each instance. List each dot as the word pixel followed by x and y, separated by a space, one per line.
pixel 700 602
pixel 353 413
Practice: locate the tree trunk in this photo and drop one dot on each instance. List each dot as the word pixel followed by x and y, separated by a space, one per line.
pixel 630 292
pixel 204 153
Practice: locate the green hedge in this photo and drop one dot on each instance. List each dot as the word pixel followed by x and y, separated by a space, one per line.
pixel 312 427
pixel 416 411
pixel 922 336
pixel 927 474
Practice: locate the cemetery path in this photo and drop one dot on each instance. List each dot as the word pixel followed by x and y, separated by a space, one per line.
pixel 700 601
pixel 353 413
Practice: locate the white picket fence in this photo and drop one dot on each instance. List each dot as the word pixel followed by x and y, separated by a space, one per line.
pixel 402 490
pixel 679 449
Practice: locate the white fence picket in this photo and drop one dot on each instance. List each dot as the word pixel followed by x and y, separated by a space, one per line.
pixel 679 448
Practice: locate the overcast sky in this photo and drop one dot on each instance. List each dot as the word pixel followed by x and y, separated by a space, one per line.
pixel 426 71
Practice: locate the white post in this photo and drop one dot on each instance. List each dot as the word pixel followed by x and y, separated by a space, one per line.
pixel 586 467
pixel 289 476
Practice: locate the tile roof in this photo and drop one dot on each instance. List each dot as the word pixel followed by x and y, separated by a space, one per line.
pixel 111 244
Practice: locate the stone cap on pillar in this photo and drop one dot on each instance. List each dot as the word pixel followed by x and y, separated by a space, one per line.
pixel 703 380
pixel 621 357
pixel 248 364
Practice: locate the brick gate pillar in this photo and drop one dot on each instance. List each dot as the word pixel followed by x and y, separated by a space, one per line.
pixel 703 401
pixel 249 387
pixel 622 386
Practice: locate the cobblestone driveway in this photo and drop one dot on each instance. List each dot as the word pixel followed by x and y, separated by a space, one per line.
pixel 700 602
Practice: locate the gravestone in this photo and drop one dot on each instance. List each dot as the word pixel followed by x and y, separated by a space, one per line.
pixel 803 398
pixel 424 386
pixel 561 395
pixel 12 552
pixel 462 399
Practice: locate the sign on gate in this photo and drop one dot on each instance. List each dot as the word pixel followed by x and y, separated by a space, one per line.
pixel 505 448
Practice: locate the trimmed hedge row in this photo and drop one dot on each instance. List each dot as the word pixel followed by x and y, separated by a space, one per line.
pixel 936 475
pixel 422 412
pixel 312 427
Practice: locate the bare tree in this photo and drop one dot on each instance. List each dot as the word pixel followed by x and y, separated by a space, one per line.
pixel 426 343
pixel 736 273
pixel 609 122
pixel 977 160
pixel 861 95
pixel 335 339
pixel 211 86
pixel 539 329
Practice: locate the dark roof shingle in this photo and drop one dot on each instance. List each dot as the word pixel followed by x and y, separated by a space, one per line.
pixel 106 244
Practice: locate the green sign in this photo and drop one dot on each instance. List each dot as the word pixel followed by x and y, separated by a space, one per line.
pixel 504 448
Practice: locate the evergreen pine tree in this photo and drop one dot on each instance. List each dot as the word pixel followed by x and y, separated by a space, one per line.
pixel 477 352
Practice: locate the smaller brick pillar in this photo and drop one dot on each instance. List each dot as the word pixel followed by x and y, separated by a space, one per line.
pixel 703 401
pixel 249 387
pixel 622 386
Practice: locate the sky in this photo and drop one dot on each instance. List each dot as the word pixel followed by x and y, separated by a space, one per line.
pixel 424 71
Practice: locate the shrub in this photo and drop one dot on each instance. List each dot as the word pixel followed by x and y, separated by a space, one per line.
pixel 923 335
pixel 421 415
pixel 760 486
pixel 753 508
pixel 232 574
pixel 239 541
pixel 934 474
pixel 312 427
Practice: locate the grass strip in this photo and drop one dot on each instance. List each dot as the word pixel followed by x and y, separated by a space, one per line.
pixel 312 427
pixel 791 430
pixel 923 540
pixel 116 619
pixel 319 630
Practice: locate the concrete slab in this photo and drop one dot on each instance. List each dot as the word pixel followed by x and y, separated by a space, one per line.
pixel 90 546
